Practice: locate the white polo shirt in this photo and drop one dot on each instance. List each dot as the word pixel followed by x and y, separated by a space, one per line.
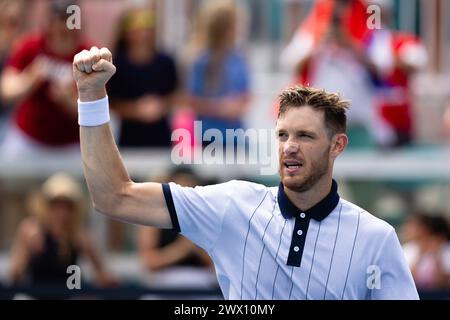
pixel 263 247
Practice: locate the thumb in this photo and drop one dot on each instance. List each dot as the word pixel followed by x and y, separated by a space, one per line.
pixel 103 65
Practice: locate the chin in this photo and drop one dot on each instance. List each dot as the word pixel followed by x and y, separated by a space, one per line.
pixel 292 181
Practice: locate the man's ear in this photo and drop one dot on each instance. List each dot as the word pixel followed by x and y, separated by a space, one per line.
pixel 338 144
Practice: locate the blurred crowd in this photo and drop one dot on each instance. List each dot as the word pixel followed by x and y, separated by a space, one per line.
pixel 156 90
pixel 426 239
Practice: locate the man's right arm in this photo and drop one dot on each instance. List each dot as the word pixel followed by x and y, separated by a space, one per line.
pixel 112 191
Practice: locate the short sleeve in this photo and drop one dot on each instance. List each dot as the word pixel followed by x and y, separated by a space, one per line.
pixel 396 282
pixel 198 213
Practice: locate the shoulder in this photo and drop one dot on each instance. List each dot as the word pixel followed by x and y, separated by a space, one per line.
pixel 32 41
pixel 236 190
pixel 29 45
pixel 249 187
pixel 240 187
pixel 368 224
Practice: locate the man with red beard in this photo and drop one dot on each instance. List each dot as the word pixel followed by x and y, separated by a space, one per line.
pixel 299 240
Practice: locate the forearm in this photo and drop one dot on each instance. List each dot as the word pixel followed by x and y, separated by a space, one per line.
pixel 104 170
pixel 113 193
pixel 19 262
pixel 148 108
pixel 14 87
pixel 205 106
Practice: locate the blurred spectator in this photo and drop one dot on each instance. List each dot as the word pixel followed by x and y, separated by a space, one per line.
pixel 53 237
pixel 38 79
pixel 218 79
pixel 329 51
pixel 397 56
pixel 427 249
pixel 166 250
pixel 142 90
pixel 12 25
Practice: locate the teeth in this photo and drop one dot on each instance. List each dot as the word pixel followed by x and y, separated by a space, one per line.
pixel 293 164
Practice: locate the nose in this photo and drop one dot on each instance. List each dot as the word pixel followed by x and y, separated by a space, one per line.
pixel 290 147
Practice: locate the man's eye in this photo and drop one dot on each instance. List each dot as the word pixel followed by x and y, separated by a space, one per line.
pixel 304 135
pixel 282 134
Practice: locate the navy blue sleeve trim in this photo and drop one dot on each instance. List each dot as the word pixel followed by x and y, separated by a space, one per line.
pixel 171 207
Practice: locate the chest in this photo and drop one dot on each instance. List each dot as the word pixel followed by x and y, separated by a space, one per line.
pixel 332 264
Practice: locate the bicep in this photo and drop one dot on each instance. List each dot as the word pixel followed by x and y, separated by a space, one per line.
pixel 144 204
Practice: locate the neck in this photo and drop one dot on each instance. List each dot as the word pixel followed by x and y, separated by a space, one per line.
pixel 61 46
pixel 140 54
pixel 56 231
pixel 307 199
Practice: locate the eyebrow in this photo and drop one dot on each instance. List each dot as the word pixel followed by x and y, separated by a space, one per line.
pixel 312 133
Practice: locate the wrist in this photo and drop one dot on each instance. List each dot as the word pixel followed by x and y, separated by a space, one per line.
pixel 93 112
pixel 87 95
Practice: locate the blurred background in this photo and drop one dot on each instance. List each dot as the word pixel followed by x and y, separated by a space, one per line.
pixel 223 63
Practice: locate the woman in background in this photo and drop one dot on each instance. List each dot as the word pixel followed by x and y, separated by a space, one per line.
pixel 52 238
pixel 218 79
pixel 142 90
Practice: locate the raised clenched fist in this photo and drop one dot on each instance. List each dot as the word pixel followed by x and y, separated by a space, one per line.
pixel 91 70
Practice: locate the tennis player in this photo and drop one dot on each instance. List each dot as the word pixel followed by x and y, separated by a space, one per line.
pixel 299 240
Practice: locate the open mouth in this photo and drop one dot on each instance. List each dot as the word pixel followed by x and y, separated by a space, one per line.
pixel 292 165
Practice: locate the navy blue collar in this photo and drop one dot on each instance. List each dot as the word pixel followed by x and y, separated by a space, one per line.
pixel 318 212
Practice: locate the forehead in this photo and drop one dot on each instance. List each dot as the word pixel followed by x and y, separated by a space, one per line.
pixel 302 118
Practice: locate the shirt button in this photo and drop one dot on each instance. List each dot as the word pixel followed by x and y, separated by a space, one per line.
pixel 302 215
pixel 299 232
pixel 296 249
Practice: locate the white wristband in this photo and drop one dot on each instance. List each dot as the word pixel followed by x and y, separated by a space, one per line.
pixel 93 113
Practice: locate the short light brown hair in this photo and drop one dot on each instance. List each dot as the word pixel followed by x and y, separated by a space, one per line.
pixel 333 106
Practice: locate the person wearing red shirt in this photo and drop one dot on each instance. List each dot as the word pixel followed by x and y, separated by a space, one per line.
pixel 398 55
pixel 37 78
pixel 328 51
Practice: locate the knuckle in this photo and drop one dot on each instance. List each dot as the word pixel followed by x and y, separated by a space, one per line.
pixel 105 51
